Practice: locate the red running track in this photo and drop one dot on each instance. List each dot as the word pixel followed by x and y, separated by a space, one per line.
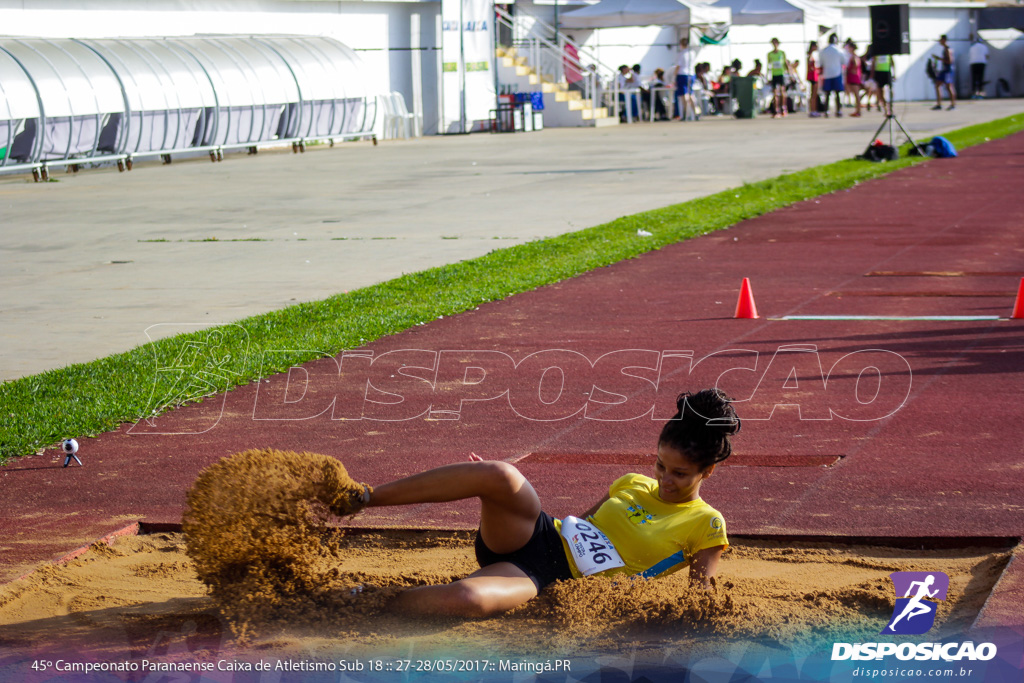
pixel 946 461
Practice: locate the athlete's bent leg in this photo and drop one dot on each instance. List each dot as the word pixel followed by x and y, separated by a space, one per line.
pixel 491 590
pixel 509 506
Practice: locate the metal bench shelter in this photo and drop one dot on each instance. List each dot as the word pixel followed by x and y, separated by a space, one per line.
pixel 67 102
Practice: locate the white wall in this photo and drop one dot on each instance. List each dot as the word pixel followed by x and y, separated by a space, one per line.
pixel 380 32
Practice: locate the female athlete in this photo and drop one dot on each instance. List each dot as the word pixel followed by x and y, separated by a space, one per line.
pixel 644 526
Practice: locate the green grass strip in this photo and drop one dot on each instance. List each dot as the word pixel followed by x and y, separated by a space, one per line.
pixel 91 398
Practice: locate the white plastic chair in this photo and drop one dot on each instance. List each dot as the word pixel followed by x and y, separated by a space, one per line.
pixel 411 123
pixel 391 122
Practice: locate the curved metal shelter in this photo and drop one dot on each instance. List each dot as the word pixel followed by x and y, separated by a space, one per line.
pixel 329 105
pixel 76 92
pixel 19 102
pixel 253 86
pixel 72 101
pixel 166 91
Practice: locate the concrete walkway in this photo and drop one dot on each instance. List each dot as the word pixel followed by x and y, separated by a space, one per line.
pixel 88 263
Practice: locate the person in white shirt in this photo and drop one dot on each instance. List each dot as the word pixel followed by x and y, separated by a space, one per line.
pixel 686 60
pixel 833 61
pixel 628 83
pixel 977 56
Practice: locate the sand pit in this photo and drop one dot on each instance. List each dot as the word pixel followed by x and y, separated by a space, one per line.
pixel 140 598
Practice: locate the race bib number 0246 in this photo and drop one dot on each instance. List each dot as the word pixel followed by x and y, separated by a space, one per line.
pixel 591 550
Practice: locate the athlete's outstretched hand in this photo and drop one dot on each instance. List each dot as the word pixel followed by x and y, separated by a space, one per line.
pixel 473 457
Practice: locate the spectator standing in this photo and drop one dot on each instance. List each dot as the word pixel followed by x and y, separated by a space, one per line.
pixel 833 61
pixel 571 65
pixel 704 88
pixel 795 91
pixel 777 68
pixel 812 79
pixel 883 74
pixel 685 72
pixel 854 78
pixel 645 93
pixel 944 74
pixel 977 55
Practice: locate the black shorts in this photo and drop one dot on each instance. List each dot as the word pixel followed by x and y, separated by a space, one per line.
pixel 542 559
pixel 778 81
pixel 883 78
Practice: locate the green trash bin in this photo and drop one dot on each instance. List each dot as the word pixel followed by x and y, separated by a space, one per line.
pixel 742 90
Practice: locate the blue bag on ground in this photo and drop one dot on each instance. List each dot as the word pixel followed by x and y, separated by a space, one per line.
pixel 942 148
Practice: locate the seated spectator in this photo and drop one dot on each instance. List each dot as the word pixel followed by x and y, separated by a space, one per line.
pixel 757 70
pixel 723 94
pixel 658 81
pixel 703 69
pixel 628 83
pixel 723 78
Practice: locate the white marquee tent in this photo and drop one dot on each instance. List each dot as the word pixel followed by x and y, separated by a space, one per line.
pixel 619 13
pixel 764 12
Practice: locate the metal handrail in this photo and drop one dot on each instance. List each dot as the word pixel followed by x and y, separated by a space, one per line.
pixel 549 58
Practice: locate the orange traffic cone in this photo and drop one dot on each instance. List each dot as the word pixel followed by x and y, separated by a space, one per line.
pixel 1018 306
pixel 745 307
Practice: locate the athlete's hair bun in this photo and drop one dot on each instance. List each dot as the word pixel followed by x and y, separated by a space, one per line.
pixel 702 426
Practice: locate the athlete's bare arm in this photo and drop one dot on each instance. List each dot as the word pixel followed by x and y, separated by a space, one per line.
pixel 705 565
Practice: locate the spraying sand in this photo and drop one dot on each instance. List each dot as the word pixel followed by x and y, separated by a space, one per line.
pixel 256 527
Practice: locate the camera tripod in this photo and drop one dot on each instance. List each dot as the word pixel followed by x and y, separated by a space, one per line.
pixel 890 119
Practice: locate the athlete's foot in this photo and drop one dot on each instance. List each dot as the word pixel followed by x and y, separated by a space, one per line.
pixel 351 501
pixel 937 107
pixel 951 107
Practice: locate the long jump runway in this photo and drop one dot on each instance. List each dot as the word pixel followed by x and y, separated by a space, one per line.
pixel 899 427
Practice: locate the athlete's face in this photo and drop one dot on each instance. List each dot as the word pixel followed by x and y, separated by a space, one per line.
pixel 678 477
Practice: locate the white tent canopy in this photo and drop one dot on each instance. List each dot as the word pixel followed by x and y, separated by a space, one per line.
pixel 618 13
pixel 764 12
pixel 1000 38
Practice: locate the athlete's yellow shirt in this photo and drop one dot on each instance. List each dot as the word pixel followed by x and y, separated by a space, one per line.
pixel 653 538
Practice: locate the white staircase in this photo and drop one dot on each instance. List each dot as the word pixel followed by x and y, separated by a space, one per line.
pixel 536 57
pixel 563 108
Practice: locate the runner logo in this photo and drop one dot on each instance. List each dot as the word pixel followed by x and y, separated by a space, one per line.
pixel 914 612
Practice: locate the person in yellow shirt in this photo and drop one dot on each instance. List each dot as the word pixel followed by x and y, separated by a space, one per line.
pixel 645 526
pixel 777 69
